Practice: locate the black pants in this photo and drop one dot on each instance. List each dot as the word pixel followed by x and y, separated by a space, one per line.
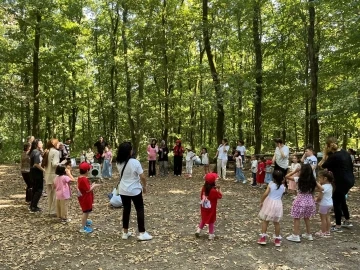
pixel 177 165
pixel 254 179
pixel 27 179
pixel 37 180
pixel 284 171
pixel 340 206
pixel 139 207
pixel 152 168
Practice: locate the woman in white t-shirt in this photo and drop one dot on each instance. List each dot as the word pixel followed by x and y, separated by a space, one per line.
pixel 325 201
pixel 131 187
pixel 222 158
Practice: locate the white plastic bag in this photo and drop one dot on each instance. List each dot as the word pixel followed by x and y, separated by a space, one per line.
pixel 115 200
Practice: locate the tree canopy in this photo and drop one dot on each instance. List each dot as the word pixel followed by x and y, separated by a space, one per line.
pixel 199 71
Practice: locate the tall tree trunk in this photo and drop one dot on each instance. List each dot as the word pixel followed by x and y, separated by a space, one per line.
pixel 166 72
pixel 89 125
pixel 74 109
pixel 258 74
pixel 36 114
pixel 215 76
pixel 313 60
pixel 127 74
pixel 345 139
pixel 296 136
pixel 114 80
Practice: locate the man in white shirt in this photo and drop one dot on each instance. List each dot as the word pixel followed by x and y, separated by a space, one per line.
pixel 281 156
pixel 222 158
pixel 309 158
pixel 241 148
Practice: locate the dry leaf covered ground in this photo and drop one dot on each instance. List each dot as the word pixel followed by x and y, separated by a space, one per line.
pixel 36 241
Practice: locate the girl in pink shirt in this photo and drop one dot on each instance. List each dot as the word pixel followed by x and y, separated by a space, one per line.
pixel 152 150
pixel 62 190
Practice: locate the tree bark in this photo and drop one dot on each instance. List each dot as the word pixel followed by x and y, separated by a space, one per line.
pixel 258 75
pixel 313 60
pixel 215 76
pixel 36 91
pixel 127 74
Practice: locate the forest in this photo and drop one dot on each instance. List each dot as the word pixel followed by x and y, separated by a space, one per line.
pixel 189 69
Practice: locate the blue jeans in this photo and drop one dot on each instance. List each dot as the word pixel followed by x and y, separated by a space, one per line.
pixel 107 169
pixel 239 174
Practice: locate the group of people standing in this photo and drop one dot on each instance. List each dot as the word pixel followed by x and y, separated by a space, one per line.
pixel 334 183
pixel 38 165
pixel 161 153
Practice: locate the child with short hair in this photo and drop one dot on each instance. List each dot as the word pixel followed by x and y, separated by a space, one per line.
pixel 295 166
pixel 189 161
pixel 272 208
pixel 254 166
pixel 209 195
pixel 239 173
pixel 309 158
pixel 85 196
pixel 304 204
pixel 260 177
pixel 268 171
pixel 205 160
pixel 63 191
pixel 325 201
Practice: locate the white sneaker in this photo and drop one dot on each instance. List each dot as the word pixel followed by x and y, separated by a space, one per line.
pixel 144 236
pixel 126 236
pixel 244 182
pixel 211 236
pixel 294 238
pixel 307 236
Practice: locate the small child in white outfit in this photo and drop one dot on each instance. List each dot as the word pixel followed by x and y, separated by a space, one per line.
pixel 190 155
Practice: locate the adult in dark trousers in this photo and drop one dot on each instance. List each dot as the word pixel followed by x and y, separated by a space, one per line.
pixel 100 146
pixel 131 187
pixel 281 157
pixel 163 158
pixel 178 157
pixel 36 174
pixel 25 171
pixel 339 163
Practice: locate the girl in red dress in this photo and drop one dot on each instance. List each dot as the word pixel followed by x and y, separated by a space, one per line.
pixel 260 177
pixel 210 193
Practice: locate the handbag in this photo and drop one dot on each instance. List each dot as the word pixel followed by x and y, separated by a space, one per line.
pixel 121 175
pixel 205 203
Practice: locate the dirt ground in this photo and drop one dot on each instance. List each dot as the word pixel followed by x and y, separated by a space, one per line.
pixel 37 241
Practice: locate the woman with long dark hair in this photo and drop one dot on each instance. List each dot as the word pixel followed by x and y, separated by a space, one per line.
pixel 131 187
pixel 36 174
pixel 152 151
pixel 339 162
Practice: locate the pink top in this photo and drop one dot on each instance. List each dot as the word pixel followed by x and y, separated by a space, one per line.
pixel 62 187
pixel 108 155
pixel 152 152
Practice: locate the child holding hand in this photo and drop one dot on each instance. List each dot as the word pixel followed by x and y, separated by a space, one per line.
pixel 272 208
pixel 304 204
pixel 325 201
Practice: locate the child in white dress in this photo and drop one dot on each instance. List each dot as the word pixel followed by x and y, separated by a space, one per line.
pixel 205 160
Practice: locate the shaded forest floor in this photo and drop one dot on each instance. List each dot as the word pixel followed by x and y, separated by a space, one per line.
pixel 36 241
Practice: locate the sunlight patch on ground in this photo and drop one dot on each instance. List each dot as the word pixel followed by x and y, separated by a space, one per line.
pixel 17 196
pixel 6 201
pixel 9 205
pixel 177 191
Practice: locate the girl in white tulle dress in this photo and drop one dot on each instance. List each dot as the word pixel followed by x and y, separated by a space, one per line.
pixel 272 208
